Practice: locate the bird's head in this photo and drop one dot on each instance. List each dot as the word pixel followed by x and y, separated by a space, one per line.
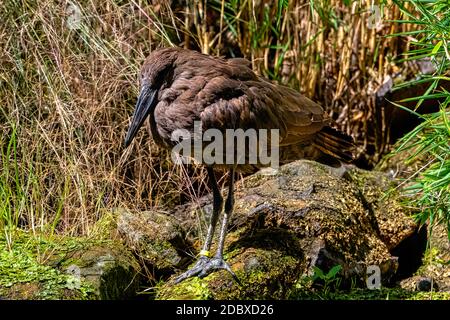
pixel 156 72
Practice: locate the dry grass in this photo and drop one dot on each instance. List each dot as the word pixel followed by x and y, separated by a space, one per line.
pixel 69 93
pixel 66 94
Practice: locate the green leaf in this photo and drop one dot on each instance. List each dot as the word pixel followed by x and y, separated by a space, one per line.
pixel 436 47
pixel 347 2
pixel 318 274
pixel 333 271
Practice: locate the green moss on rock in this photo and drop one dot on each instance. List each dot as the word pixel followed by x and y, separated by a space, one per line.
pixel 66 268
pixel 255 270
pixel 306 215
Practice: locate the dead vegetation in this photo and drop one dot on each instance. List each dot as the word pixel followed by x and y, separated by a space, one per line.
pixel 68 82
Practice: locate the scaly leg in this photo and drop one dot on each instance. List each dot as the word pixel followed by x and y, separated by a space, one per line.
pixel 204 253
pixel 217 262
pixel 205 266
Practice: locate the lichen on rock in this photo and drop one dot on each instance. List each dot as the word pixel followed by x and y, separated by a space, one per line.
pixel 306 215
pixel 67 268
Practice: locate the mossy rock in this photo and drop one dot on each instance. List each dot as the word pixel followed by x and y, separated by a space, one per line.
pixel 435 265
pixel 109 268
pixel 155 237
pixel 66 268
pixel 305 216
pixel 255 269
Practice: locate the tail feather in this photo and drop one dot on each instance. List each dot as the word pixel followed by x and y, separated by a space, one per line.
pixel 336 144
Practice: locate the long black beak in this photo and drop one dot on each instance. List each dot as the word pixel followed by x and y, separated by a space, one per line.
pixel 145 104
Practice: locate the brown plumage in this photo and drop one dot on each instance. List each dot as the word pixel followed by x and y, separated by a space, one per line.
pixel 181 86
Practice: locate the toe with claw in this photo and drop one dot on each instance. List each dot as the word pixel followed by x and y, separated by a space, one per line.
pixel 195 271
pixel 205 266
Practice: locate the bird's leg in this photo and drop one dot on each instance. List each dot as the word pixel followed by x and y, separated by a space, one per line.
pixel 217 262
pixel 217 208
pixel 204 265
pixel 200 265
pixel 229 204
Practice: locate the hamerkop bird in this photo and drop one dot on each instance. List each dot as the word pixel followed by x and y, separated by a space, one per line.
pixel 179 87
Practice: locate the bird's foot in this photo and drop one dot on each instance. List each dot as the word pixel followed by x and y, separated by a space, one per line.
pixel 205 266
pixel 196 270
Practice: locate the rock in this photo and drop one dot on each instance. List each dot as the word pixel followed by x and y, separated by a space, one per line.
pixel 307 215
pixel 156 238
pixel 67 268
pixel 24 291
pixel 425 284
pixel 111 271
pixel 435 266
pixel 435 263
